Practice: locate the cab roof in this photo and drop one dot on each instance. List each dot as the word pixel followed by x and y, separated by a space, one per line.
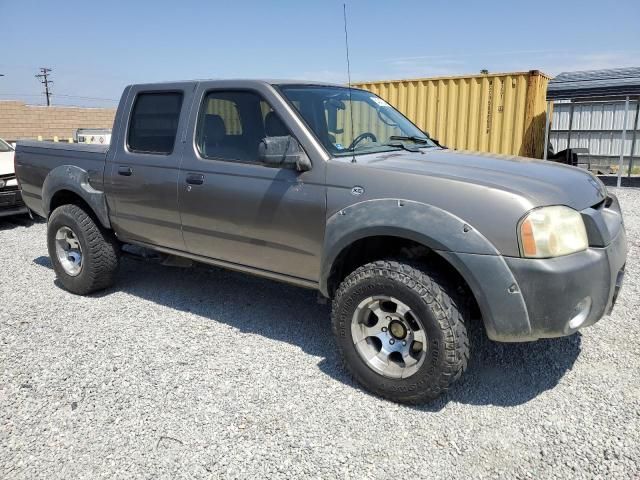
pixel 244 81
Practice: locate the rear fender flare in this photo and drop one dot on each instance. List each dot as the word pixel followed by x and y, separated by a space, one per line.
pixel 76 180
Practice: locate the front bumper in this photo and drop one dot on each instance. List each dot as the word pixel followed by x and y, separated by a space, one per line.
pixel 523 299
pixel 11 203
pixel 555 289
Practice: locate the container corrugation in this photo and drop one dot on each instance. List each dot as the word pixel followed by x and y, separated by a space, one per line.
pixel 497 113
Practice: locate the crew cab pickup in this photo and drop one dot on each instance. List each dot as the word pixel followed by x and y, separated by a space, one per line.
pixel 330 188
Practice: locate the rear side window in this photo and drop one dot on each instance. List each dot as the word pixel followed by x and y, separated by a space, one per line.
pixel 154 122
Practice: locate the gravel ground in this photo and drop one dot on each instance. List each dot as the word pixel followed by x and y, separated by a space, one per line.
pixel 190 373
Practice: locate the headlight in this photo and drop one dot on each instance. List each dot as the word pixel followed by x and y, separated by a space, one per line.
pixel 8 182
pixel 552 232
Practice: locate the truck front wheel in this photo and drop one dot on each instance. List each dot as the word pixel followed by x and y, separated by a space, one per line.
pixel 400 331
pixel 85 257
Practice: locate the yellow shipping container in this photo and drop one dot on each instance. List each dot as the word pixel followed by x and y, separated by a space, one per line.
pixel 497 113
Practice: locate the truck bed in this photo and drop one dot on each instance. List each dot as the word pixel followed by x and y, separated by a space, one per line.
pixel 34 160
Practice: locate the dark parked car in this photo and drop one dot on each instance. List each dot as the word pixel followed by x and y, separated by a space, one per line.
pixel 330 188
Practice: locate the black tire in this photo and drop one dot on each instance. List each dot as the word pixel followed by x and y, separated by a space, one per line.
pixel 443 319
pixel 100 250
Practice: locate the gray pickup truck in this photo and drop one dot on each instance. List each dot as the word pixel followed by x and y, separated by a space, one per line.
pixel 331 188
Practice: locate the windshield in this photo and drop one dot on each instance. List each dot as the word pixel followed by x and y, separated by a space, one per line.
pixel 375 126
pixel 5 147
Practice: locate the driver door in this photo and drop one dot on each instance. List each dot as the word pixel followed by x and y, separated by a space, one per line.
pixel 236 210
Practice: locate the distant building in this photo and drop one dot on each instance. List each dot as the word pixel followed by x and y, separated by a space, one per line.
pixel 19 121
pixel 589 111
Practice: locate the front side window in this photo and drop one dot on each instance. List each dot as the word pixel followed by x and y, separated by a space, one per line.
pixel 154 122
pixel 232 124
pixel 350 122
pixel 5 147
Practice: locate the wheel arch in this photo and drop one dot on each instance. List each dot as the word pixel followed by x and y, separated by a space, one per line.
pixel 456 244
pixel 369 248
pixel 400 221
pixel 70 184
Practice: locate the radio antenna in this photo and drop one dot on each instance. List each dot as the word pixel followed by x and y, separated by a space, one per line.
pixel 346 44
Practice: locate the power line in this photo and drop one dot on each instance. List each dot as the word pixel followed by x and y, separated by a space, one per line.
pixel 86 98
pixel 19 95
pixel 56 95
pixel 43 76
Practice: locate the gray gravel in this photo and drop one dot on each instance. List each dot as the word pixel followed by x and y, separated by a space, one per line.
pixel 191 373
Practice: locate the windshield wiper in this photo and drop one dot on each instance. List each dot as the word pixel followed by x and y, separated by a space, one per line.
pixel 412 138
pixel 403 146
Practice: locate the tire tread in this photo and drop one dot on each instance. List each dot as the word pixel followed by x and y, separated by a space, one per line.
pixel 443 300
pixel 103 255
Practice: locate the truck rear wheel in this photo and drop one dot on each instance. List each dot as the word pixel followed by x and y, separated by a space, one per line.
pixel 399 330
pixel 85 257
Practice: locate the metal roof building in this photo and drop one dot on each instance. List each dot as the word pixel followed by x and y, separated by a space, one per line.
pixel 596 111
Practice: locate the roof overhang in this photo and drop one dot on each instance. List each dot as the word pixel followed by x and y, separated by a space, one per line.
pixel 620 82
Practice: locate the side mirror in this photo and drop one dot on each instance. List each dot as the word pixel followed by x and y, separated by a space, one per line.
pixel 283 152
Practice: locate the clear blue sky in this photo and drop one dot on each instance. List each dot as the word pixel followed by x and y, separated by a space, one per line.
pixel 96 48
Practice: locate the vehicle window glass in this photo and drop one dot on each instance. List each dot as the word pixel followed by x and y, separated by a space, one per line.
pixel 227 110
pixel 265 109
pixel 352 122
pixel 273 124
pixel 231 125
pixel 154 122
pixel 5 147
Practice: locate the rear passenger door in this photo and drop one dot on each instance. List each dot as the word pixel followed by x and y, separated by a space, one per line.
pixel 237 210
pixel 143 165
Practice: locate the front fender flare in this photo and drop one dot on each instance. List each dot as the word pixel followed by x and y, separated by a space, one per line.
pixel 474 257
pixel 76 180
pixel 428 225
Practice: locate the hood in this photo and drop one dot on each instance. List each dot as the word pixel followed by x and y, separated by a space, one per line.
pixel 541 182
pixel 6 163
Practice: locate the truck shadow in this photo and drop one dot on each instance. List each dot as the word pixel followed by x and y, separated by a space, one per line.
pixel 499 374
pixel 509 374
pixel 15 221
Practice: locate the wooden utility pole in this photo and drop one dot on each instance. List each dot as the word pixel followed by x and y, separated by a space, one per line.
pixel 44 79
